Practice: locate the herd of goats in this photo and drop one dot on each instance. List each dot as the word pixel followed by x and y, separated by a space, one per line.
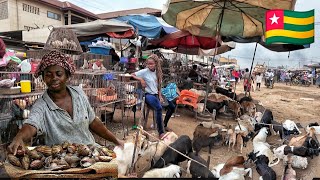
pixel 142 157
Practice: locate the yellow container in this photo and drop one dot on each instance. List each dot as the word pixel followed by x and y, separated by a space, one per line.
pixel 25 86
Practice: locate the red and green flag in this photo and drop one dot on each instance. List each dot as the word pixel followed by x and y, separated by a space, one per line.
pixel 290 27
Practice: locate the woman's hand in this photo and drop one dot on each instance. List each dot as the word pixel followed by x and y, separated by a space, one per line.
pixel 120 143
pixel 143 83
pixel 15 144
pixel 161 99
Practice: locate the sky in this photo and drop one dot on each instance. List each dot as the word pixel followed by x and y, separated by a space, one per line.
pixel 243 52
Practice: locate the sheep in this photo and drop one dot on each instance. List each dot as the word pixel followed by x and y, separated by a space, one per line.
pixel 296 161
pixel 262 167
pixel 232 169
pixel 261 147
pixel 183 144
pixel 197 170
pixel 172 171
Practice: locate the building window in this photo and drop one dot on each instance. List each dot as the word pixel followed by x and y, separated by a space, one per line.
pixel 4 10
pixel 30 9
pixel 54 16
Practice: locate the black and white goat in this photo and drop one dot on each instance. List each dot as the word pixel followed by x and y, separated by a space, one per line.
pixel 262 161
pixel 183 144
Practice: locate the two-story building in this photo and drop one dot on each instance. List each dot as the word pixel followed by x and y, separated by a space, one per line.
pixel 33 14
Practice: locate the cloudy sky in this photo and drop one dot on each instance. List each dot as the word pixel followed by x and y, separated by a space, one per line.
pixel 242 52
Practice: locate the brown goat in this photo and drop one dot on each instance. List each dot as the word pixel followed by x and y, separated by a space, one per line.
pixel 299 141
pixel 236 161
pixel 248 107
pixel 235 107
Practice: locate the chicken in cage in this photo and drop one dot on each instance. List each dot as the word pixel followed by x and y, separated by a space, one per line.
pixel 90 61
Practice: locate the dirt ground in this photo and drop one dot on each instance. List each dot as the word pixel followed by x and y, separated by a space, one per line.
pixel 297 103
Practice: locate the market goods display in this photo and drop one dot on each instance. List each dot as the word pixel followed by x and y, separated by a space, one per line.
pixel 60 157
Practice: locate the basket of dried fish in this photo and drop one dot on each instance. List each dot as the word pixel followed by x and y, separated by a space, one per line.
pixel 60 157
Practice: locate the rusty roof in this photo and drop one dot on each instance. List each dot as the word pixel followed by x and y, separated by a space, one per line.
pixel 110 15
pixel 65 5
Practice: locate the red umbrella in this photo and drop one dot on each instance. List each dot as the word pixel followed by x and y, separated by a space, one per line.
pixel 186 40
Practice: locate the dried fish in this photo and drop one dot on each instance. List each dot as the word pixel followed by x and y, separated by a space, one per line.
pixel 25 162
pixel 14 160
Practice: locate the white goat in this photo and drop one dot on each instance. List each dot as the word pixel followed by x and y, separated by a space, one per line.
pixel 172 171
pixel 236 173
pixel 263 148
pixel 297 161
pixel 290 125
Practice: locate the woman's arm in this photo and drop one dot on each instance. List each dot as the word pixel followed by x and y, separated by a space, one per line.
pixel 24 135
pixel 101 130
pixel 143 83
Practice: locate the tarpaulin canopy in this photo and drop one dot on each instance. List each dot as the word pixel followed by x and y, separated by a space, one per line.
pixel 99 27
pixel 147 25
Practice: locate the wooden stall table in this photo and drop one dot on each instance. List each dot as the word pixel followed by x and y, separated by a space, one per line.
pixel 97 170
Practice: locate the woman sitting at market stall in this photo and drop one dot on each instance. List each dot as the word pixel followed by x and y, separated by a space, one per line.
pixel 150 79
pixel 63 113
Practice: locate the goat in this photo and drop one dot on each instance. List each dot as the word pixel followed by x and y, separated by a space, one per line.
pixel 215 105
pixel 301 140
pixel 211 124
pixel 290 174
pixel 266 118
pixel 296 161
pixel 249 108
pixel 199 142
pixel 226 92
pixel 197 170
pixel 232 169
pixel 301 151
pixel 291 126
pixel 125 155
pixel 261 147
pixel 231 138
pixel 315 126
pixel 172 171
pixel 183 144
pixel 262 167
pixel 235 108
pixel 152 151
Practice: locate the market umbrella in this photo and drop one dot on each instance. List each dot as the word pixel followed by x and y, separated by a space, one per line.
pixel 210 18
pixel 243 18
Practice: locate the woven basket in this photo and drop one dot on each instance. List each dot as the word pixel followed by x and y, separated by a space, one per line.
pixel 64 40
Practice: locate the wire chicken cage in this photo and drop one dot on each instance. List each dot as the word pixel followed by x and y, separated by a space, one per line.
pixel 93 62
pixel 37 84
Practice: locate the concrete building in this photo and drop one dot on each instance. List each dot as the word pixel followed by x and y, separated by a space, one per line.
pixel 224 61
pixel 115 14
pixel 18 15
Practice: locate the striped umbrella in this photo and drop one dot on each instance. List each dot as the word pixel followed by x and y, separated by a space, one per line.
pixel 245 18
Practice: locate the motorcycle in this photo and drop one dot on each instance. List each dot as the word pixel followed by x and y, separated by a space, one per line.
pixel 269 82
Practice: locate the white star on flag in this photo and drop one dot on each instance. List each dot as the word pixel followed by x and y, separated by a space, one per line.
pixel 274 19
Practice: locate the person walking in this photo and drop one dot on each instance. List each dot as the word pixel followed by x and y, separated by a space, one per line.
pixel 258 80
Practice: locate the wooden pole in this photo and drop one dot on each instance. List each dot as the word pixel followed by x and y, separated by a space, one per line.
pixel 254 54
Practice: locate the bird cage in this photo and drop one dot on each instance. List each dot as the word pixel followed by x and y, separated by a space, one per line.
pixel 37 84
pixel 14 109
pixel 90 61
pixel 64 40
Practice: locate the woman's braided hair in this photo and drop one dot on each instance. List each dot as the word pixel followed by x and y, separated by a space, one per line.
pixel 158 62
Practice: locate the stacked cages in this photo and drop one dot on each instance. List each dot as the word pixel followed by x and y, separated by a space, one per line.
pixel 14 109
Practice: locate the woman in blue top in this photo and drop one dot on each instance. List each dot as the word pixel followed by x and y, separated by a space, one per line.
pixel 151 78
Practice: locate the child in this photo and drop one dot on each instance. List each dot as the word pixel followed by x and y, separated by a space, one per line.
pixel 258 80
